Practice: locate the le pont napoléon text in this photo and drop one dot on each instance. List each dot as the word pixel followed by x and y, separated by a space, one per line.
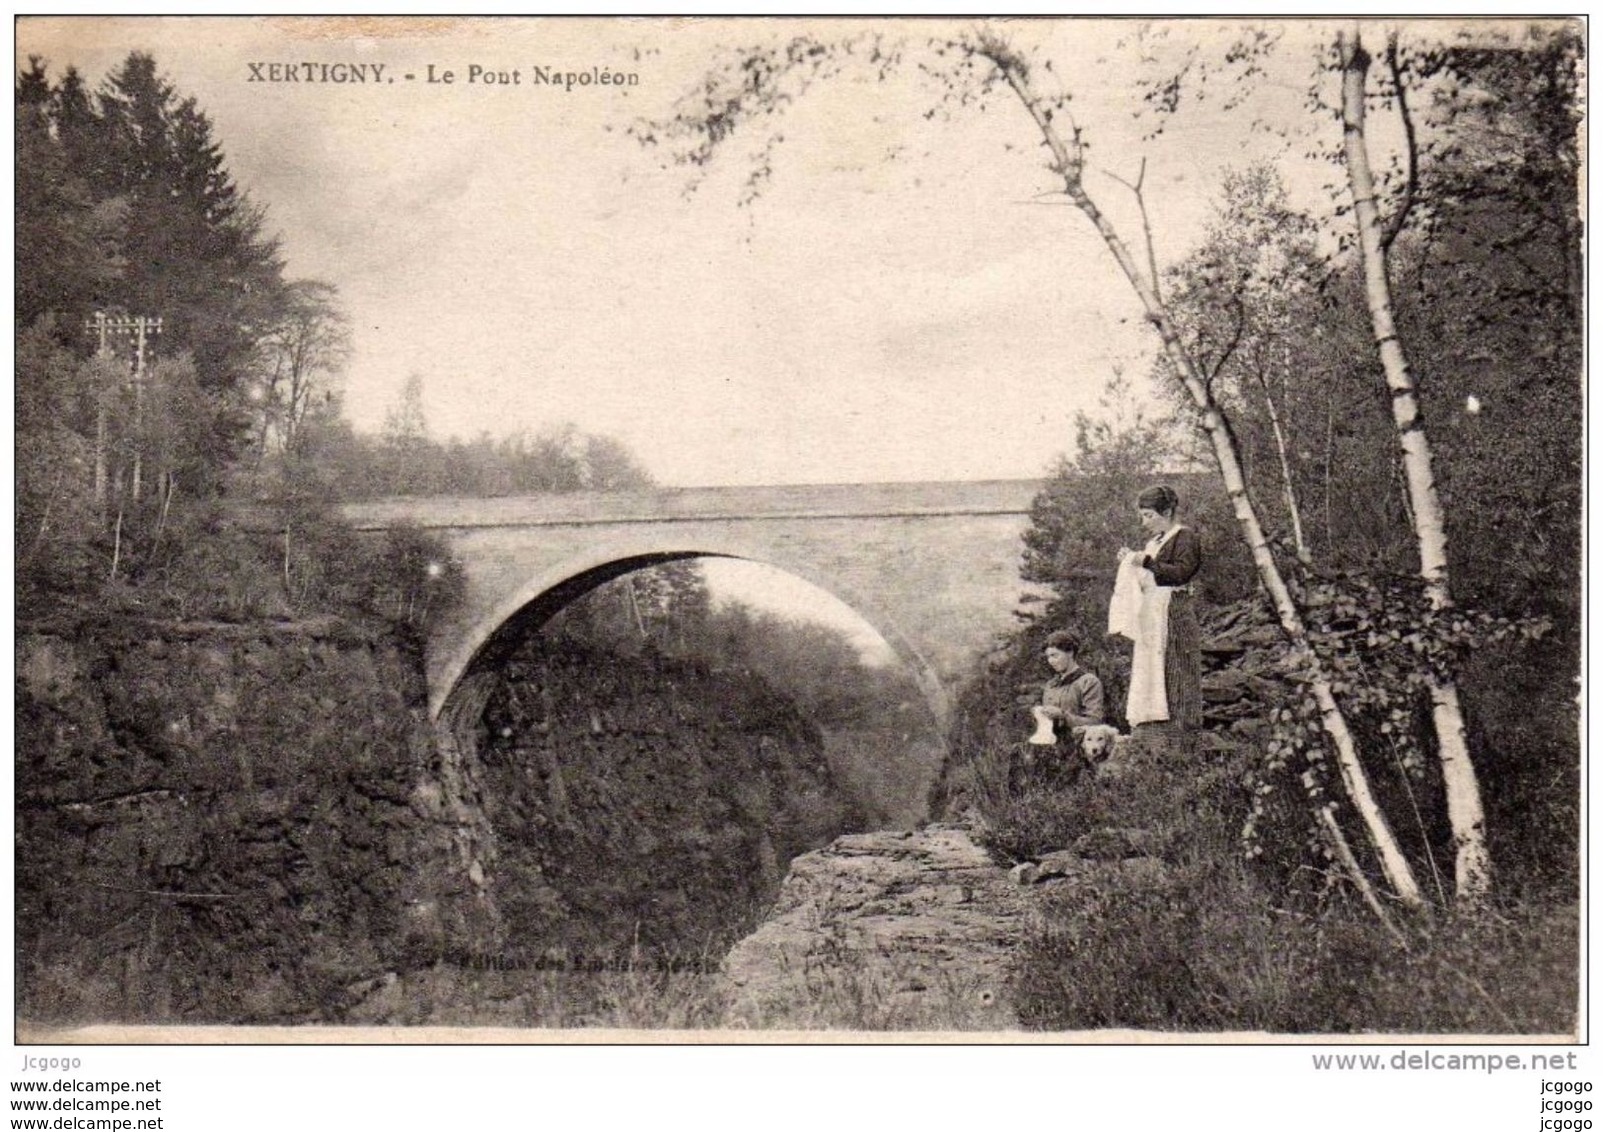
pixel 437 75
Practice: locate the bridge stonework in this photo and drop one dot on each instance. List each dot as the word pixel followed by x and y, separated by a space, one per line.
pixel 933 567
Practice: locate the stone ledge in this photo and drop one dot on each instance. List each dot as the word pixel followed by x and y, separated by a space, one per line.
pixel 902 931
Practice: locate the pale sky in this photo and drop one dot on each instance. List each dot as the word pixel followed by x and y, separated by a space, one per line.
pixel 931 317
pixel 767 587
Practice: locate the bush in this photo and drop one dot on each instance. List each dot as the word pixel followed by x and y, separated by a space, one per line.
pixel 1189 806
pixel 1212 952
pixel 206 567
pixel 1224 945
pixel 413 580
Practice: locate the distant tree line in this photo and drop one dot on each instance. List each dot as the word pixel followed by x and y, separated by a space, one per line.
pixel 168 363
pixel 404 459
pixel 669 611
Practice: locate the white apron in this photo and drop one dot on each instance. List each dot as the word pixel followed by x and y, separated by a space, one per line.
pixel 1149 693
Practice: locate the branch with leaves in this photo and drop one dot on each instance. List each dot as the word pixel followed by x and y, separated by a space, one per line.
pixel 972 67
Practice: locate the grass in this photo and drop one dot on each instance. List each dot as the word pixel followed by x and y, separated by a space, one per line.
pixel 875 999
pixel 641 998
pixel 1212 954
pixel 1222 945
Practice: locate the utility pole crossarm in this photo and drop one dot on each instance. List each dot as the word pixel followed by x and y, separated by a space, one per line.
pixel 141 328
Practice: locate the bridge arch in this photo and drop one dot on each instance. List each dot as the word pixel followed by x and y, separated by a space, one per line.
pixel 551 588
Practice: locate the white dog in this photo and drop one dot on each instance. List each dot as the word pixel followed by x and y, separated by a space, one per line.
pixel 1105 750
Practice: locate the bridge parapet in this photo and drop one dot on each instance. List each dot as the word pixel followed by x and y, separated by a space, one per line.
pixel 664 505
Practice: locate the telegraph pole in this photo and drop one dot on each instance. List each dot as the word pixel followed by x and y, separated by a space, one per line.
pixel 142 329
pixel 100 324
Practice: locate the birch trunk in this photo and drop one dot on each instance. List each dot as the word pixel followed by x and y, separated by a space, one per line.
pixel 1288 488
pixel 1472 863
pixel 1068 164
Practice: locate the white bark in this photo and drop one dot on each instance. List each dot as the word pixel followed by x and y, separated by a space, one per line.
pixel 1287 486
pixel 1068 164
pixel 1472 862
pixel 1349 864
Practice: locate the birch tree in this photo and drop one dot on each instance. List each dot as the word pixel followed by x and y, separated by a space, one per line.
pixel 1472 862
pixel 1442 74
pixel 984 60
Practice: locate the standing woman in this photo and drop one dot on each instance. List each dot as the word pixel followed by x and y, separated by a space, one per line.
pixel 1166 668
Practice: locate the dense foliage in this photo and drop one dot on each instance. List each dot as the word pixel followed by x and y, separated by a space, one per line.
pixel 878 729
pixel 1483 242
pixel 1215 948
pixel 169 369
pixel 645 802
pixel 405 460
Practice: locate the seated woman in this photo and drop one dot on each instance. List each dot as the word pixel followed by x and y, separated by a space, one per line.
pixel 1073 696
pixel 1071 701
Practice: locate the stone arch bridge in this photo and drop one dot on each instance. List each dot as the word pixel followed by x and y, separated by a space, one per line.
pixel 933 567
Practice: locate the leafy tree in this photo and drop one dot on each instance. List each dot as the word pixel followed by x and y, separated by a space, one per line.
pixel 173 420
pixel 610 466
pixel 414 580
pixel 1490 278
pixel 301 357
pixel 1253 302
pixel 552 460
pixel 405 443
pixel 661 608
pixel 668 609
pixel 56 520
pixel 761 82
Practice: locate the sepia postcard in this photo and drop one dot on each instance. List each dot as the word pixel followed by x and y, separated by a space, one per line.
pixel 711 530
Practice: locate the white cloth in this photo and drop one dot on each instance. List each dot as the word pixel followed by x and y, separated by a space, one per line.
pixel 1124 611
pixel 1149 692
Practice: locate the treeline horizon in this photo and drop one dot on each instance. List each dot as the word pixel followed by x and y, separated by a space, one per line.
pixel 351 466
pixel 169 365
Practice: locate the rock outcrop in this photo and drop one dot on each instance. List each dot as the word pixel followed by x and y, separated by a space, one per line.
pixel 914 927
pixel 643 803
pixel 223 822
pixel 1240 677
pixel 902 931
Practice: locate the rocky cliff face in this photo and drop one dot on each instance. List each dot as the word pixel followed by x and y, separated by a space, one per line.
pixel 221 822
pixel 643 803
pixel 258 823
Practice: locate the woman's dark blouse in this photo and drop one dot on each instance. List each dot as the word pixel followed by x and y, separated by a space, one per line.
pixel 1177 560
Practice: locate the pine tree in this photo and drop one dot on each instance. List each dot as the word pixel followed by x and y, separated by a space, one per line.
pixel 193 245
